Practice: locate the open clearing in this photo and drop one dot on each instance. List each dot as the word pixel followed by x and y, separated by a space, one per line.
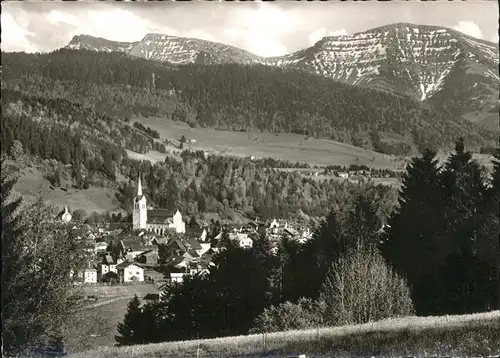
pixel 104 291
pixel 291 147
pixel 471 335
pixel 32 183
pixel 111 307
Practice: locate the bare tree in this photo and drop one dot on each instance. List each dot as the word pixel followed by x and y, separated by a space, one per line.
pixel 360 287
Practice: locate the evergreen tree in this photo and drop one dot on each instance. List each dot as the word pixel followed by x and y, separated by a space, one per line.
pixel 362 224
pixel 241 293
pixel 413 243
pixel 317 255
pixel 132 329
pixel 494 195
pixel 464 193
pixel 38 256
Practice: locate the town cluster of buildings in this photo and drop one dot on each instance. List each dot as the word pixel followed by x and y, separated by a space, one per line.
pixel 160 247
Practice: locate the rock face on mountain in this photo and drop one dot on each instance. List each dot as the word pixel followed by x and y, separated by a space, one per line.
pixel 86 42
pixel 180 50
pixel 416 60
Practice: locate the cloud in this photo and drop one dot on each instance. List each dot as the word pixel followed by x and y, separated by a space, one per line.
pixel 318 34
pixel 261 30
pixel 199 34
pixel 17 37
pixel 264 29
pixel 114 24
pixel 469 28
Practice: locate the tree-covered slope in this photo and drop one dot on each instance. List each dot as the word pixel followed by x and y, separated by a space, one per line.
pixel 239 97
pixel 53 128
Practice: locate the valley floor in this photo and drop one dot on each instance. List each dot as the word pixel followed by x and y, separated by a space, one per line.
pixel 465 335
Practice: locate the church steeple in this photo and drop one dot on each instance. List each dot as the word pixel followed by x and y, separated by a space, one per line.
pixel 139 187
pixel 140 214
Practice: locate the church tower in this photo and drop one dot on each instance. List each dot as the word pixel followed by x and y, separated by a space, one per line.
pixel 140 212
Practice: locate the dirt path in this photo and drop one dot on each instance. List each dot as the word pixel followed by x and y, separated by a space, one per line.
pixel 102 303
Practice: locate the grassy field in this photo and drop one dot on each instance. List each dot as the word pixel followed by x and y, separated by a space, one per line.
pixel 467 335
pixel 110 308
pixel 119 290
pixel 292 147
pixel 33 183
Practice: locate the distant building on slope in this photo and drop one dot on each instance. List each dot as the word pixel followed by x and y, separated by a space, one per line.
pixel 65 215
pixel 157 221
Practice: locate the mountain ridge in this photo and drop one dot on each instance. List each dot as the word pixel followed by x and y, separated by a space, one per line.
pixel 401 58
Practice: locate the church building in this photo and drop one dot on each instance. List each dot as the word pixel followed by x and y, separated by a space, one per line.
pixel 158 221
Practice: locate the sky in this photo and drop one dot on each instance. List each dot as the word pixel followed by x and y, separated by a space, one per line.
pixel 265 29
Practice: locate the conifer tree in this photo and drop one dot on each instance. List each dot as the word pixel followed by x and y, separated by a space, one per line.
pixel 131 330
pixel 327 244
pixel 412 243
pixel 37 258
pixel 361 224
pixel 464 191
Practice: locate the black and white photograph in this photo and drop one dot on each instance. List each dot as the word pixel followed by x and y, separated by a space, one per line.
pixel 245 179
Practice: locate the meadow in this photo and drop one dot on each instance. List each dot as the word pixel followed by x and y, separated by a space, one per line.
pixel 463 335
pixel 293 147
pixel 33 183
pixel 109 310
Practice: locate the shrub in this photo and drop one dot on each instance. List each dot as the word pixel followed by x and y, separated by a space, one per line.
pixel 360 287
pixel 304 314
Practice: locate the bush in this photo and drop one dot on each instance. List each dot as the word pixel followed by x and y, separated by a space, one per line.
pixel 289 316
pixel 360 287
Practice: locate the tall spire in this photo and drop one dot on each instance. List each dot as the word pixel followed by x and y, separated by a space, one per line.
pixel 139 187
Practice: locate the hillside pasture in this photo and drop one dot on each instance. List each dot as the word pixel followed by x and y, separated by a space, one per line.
pixel 110 307
pixel 109 291
pixel 464 335
pixel 293 147
pixel 153 156
pixel 32 183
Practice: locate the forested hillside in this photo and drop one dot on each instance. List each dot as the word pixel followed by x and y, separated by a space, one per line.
pixel 239 97
pixel 227 185
pixel 90 148
pixel 53 128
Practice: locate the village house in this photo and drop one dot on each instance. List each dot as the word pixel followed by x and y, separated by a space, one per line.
pixel 176 277
pixel 241 240
pixel 134 248
pixel 100 247
pixel 148 258
pixel 291 233
pixel 109 263
pixel 181 246
pixel 157 221
pixel 90 275
pixel 197 233
pixel 130 272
